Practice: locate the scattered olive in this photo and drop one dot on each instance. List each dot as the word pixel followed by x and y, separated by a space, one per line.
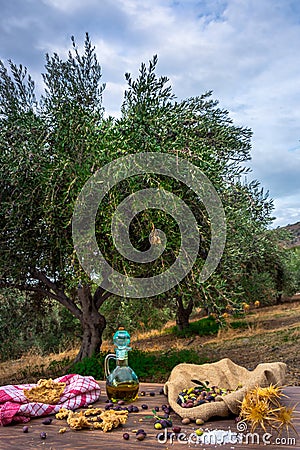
pixel 121 402
pixel 142 393
pixel 185 421
pixel 108 406
pixel 199 421
pixel 161 391
pixel 144 406
pixel 165 423
pixel 141 436
pixel 152 394
pixel 126 436
pixel 166 409
pixel 158 426
pixel 43 435
pixel 25 429
pixel 117 408
pixel 156 408
pixel 47 421
pixel 199 432
pixel 176 429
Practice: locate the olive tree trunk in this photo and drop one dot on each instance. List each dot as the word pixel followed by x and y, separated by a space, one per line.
pixel 183 314
pixel 93 323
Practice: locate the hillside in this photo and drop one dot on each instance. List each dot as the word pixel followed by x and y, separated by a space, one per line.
pixel 294 229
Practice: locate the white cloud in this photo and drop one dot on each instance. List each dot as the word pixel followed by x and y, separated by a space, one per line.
pixel 288 211
pixel 113 95
pixel 68 5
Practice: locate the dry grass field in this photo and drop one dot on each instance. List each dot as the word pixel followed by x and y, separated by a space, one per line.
pixel 271 334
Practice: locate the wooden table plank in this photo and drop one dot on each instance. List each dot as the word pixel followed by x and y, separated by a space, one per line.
pixel 12 437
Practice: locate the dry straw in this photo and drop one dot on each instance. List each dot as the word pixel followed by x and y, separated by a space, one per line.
pixel 261 406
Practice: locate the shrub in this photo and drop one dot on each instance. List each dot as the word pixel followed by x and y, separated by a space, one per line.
pixel 149 366
pixel 203 327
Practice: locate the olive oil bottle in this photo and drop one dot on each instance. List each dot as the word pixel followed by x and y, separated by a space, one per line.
pixel 122 383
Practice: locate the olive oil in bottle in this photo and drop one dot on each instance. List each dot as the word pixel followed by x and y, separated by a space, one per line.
pixel 123 391
pixel 122 383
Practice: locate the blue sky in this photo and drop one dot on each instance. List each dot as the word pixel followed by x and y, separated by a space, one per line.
pixel 246 51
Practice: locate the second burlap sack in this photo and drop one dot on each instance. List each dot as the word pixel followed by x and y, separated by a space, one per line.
pixel 224 374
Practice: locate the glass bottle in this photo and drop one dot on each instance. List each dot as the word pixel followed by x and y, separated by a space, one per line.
pixel 122 383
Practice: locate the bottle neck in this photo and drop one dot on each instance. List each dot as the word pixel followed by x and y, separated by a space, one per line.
pixel 122 362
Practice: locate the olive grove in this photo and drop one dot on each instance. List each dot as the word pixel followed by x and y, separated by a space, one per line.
pixel 49 148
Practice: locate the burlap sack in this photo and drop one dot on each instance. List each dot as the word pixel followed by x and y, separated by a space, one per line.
pixel 224 374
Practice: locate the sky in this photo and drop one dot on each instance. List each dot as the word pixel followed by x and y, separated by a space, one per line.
pixel 246 51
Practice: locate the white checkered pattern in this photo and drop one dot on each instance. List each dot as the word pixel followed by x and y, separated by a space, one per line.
pixel 15 407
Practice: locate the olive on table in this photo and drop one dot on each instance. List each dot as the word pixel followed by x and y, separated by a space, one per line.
pixel 141 436
pixel 47 421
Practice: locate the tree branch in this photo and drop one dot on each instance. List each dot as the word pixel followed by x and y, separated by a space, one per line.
pixel 32 288
pixel 100 296
pixel 55 292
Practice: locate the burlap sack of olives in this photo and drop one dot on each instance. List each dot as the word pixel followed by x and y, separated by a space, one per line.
pixel 224 374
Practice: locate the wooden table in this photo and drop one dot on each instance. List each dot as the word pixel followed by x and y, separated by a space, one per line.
pixel 12 437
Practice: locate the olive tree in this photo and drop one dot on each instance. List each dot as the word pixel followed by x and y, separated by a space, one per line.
pixel 49 149
pixel 198 130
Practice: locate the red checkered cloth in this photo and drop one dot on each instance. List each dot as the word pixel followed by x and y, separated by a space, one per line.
pixel 15 407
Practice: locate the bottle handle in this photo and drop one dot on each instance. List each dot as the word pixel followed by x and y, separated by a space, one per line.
pixel 106 363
